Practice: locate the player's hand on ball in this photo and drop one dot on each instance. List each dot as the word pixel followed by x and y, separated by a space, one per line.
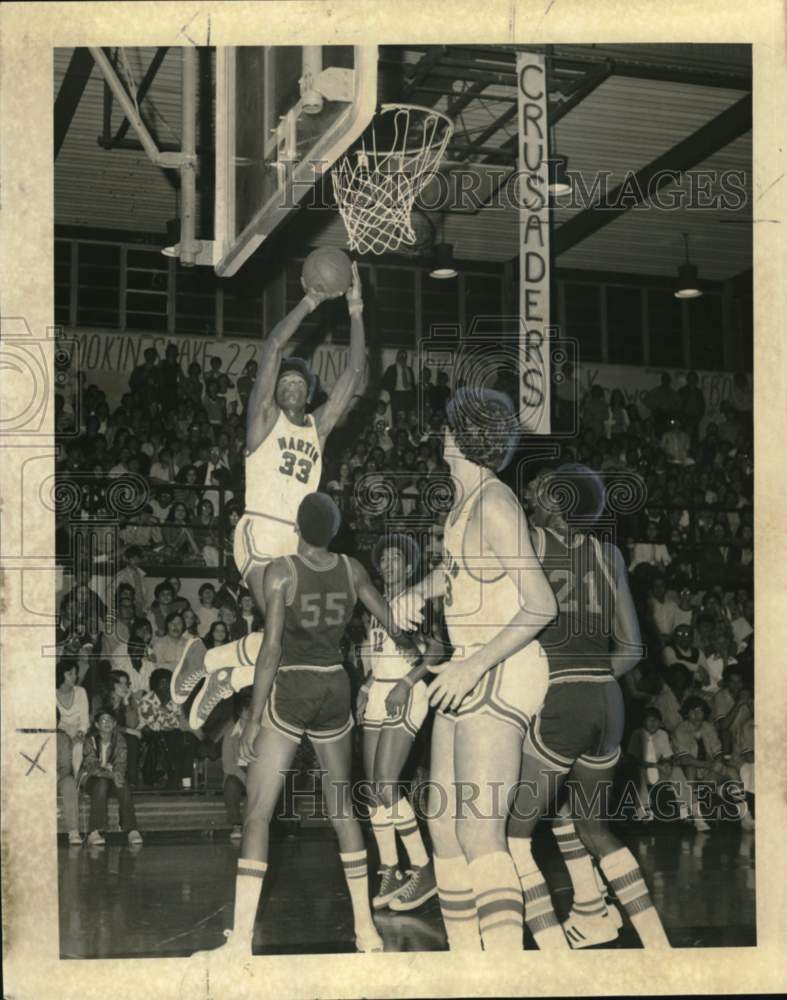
pixel 317 295
pixel 354 294
pixel 396 702
pixel 248 738
pixel 455 681
pixel 407 610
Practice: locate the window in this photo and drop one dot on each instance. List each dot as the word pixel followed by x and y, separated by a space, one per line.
pixel 62 282
pixel 195 300
pixel 147 282
pixel 624 324
pixel 394 306
pixel 583 319
pixel 706 342
pixel 98 301
pixel 665 328
pixel 242 305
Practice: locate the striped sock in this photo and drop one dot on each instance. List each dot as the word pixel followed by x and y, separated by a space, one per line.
pixel 588 900
pixel 539 915
pixel 384 835
pixel 625 879
pixel 457 903
pixel 240 655
pixel 248 886
pixel 355 866
pixel 403 818
pixel 498 900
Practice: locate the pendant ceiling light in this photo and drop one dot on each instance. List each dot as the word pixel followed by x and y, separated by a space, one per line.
pixel 688 277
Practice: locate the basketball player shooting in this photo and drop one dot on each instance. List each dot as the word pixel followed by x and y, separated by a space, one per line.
pixel 284 447
pixel 496 600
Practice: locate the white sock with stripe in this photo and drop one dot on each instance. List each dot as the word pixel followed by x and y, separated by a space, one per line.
pixel 384 835
pixel 355 864
pixel 248 886
pixel 457 903
pixel 625 879
pixel 242 653
pixel 588 900
pixel 403 818
pixel 498 900
pixel 540 916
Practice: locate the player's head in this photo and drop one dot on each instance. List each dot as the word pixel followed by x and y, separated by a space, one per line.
pixel 318 520
pixel 295 384
pixel 573 494
pixel 482 426
pixel 396 559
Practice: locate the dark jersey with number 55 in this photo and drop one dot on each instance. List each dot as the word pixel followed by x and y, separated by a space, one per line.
pixel 579 641
pixel 319 606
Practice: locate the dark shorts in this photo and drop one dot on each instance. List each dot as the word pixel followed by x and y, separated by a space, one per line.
pixel 311 700
pixel 579 721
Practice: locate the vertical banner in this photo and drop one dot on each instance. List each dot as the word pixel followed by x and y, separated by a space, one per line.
pixel 533 196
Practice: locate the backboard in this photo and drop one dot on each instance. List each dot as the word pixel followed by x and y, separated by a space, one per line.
pixel 284 114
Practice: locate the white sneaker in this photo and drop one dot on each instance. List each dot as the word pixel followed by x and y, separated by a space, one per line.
pixel 134 837
pixel 236 833
pixel 94 839
pixel 584 932
pixel 74 840
pixel 231 948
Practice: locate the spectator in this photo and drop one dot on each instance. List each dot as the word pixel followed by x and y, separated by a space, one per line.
pixel 207 612
pixel 116 695
pixel 680 650
pixel 206 533
pixel 66 783
pixel 81 610
pixel 716 556
pixel 698 751
pixel 650 751
pixel 670 699
pixel 169 647
pixel 179 602
pixel 104 773
pixel 743 624
pixel 245 383
pixel 178 536
pixel 692 405
pixel 742 397
pixel 595 411
pixel 731 707
pixel 72 704
pixel 133 576
pixel 232 765
pixel 162 606
pixel 170 378
pixel 617 422
pixel 144 381
pixel 399 381
pixel 191 387
pixel 743 552
pixel 160 504
pixel 170 747
pixel 651 552
pixel 675 442
pixel 249 618
pixel 215 405
pixel 663 403
pixel 217 634
pixel 719 658
pixel 662 609
pixel 730 427
pixel 214 370
pixel 139 662
pixel 163 469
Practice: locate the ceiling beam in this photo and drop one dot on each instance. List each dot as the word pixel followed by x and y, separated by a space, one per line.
pixel 715 135
pixel 425 66
pixel 142 89
pixel 68 97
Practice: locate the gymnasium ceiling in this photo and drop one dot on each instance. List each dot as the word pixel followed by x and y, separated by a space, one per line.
pixel 620 109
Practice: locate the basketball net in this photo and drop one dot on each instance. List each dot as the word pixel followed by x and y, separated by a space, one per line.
pixel 376 188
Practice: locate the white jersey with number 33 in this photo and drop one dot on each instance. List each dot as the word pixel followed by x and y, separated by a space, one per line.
pixel 284 469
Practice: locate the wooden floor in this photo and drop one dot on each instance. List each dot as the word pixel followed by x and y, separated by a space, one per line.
pixel 174 895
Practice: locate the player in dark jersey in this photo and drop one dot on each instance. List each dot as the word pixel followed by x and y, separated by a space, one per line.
pixel 300 686
pixel 594 640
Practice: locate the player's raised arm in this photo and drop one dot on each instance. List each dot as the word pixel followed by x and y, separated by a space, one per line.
pixel 375 603
pixel 349 382
pixel 261 411
pixel 277 581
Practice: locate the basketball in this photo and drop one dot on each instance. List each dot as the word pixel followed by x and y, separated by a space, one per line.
pixel 328 270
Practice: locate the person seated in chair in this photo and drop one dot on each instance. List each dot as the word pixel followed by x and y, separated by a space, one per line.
pixel 103 773
pixel 164 728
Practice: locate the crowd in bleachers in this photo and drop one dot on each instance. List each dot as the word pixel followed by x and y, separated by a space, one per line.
pixel 121 627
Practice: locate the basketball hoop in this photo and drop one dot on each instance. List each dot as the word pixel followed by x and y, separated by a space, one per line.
pixel 376 185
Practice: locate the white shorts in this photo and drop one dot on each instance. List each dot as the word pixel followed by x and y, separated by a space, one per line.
pixel 259 539
pixel 513 691
pixel 412 718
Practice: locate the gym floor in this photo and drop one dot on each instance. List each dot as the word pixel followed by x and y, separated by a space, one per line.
pixel 173 896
